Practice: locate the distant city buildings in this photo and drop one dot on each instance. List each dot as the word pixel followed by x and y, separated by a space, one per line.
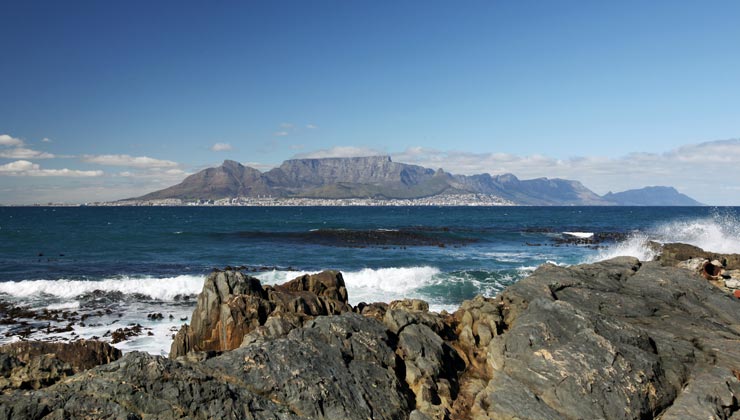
pixel 438 200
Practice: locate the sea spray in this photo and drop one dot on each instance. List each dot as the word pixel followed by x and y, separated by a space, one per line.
pixel 718 232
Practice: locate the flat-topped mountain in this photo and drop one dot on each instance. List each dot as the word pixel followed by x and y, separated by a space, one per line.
pixel 376 177
pixel 651 196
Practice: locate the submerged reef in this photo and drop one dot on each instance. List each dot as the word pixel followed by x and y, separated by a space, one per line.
pixel 618 339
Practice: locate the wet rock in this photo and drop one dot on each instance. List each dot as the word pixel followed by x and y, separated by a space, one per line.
pixel 125 333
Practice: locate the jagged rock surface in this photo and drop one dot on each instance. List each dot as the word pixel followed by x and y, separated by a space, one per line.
pixel 616 340
pixel 233 304
pixel 619 339
pixel 35 364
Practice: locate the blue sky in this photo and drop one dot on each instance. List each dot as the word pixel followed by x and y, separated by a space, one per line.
pixel 105 101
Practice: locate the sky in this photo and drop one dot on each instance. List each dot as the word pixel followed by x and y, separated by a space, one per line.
pixel 109 100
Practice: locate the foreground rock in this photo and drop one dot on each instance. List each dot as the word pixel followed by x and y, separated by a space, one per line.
pixel 618 339
pixel 233 304
pixel 32 365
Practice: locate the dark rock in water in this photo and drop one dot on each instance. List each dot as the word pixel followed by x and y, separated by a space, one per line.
pixel 233 304
pixel 34 364
pixel 366 238
pixel 123 334
pixel 155 316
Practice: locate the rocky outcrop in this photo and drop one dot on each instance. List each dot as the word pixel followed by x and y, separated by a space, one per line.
pixel 619 339
pixel 616 339
pixel 722 270
pixel 34 364
pixel 233 304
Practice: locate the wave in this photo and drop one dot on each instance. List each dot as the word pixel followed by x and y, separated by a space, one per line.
pixel 155 288
pixel 393 283
pixel 719 232
pixel 582 235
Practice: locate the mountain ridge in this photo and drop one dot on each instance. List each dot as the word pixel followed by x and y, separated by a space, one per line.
pixel 376 177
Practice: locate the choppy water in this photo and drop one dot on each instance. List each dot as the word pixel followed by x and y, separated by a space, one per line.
pixel 146 260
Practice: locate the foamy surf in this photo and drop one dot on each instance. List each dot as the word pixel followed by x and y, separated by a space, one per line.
pixel 582 235
pixel 719 232
pixel 154 288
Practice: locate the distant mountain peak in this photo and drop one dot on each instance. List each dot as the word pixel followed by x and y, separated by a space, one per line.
pixel 651 196
pixel 381 178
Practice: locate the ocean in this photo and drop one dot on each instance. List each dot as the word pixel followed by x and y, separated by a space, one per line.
pixel 82 272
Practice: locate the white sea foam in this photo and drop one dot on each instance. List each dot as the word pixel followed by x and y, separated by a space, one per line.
pixel 719 232
pixel 155 288
pixel 636 245
pixel 370 285
pixel 584 235
pixel 63 306
pixel 387 284
pixel 278 276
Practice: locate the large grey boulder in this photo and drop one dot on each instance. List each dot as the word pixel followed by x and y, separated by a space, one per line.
pixel 618 339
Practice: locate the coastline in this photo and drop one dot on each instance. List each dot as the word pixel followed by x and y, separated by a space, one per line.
pixel 616 339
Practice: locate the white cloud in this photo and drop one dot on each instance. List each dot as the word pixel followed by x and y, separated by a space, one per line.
pixel 280 133
pixel 46 140
pixel 26 168
pixel 221 147
pixel 24 153
pixel 7 140
pixel 162 175
pixel 340 151
pixel 129 161
pixel 311 126
pixel 287 125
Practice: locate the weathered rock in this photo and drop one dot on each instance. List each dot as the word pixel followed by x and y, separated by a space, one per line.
pixel 616 339
pixel 34 364
pixel 233 304
pixel 375 310
pixel 674 254
pixel 619 339
pixel 334 367
pixel 80 354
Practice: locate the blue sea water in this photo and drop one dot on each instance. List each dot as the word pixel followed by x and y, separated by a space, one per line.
pixel 51 257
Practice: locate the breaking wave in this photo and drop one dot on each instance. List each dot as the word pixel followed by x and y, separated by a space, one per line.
pixel 155 288
pixel 719 232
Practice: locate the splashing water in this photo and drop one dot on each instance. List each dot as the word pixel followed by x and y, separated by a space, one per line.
pixel 719 232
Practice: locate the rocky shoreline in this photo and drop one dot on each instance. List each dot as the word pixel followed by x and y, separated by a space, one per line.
pixel 618 339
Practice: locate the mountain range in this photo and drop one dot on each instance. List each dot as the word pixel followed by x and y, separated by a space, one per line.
pixel 379 177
